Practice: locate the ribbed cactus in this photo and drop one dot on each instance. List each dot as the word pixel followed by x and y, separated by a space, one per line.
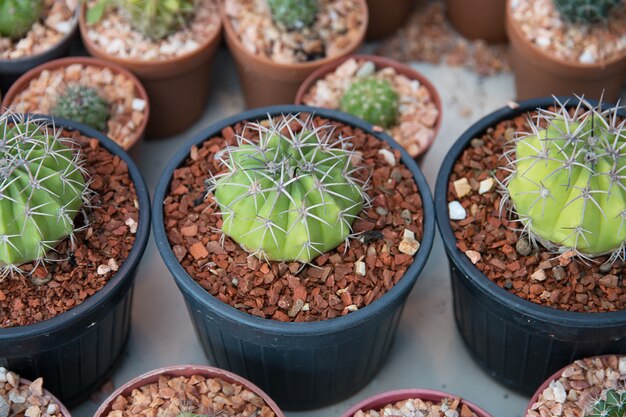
pixel 18 16
pixel 612 403
pixel 568 180
pixel 290 196
pixel 42 188
pixel 373 100
pixel 84 105
pixel 586 11
pixel 294 14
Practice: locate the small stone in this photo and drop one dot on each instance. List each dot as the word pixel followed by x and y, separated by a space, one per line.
pixel 508 284
pixel 295 308
pixel 352 308
pixel 462 187
pixel 52 409
pixel 486 186
pixel 3 374
pixel 538 275
pixel 477 143
pixel 559 392
pixel 32 411
pixel 406 216
pixel 388 156
pixel 103 269
pixel 473 256
pixel 132 224
pixel 36 387
pixel 606 267
pixel 16 398
pixel 609 281
pixel 408 245
pixel 558 272
pixel 138 104
pixel 359 268
pixel 381 211
pixel 112 264
pixel 523 247
pixel 366 69
pixel 456 210
pixel 13 379
pixel 198 251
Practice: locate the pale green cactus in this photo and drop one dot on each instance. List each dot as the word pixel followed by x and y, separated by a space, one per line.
pixel 84 105
pixel 568 180
pixel 18 16
pixel 294 14
pixel 373 100
pixel 612 403
pixel 42 188
pixel 290 196
pixel 586 11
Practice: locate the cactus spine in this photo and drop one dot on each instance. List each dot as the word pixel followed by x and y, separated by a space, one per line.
pixel 373 100
pixel 586 11
pixel 83 105
pixel 18 16
pixel 42 188
pixel 291 195
pixel 294 14
pixel 612 403
pixel 568 180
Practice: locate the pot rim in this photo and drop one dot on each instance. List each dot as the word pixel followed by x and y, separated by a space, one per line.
pixel 353 319
pixel 24 80
pixel 182 370
pixel 72 316
pixel 382 399
pixel 473 274
pixel 64 411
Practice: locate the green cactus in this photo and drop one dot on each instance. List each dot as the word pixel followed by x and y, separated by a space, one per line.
pixel 42 188
pixel 586 11
pixel 18 16
pixel 612 403
pixel 290 196
pixel 294 14
pixel 568 180
pixel 373 100
pixel 84 105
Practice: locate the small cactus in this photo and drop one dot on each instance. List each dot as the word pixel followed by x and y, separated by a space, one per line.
pixel 612 403
pixel 373 100
pixel 568 180
pixel 586 11
pixel 292 195
pixel 18 16
pixel 84 105
pixel 42 188
pixel 294 14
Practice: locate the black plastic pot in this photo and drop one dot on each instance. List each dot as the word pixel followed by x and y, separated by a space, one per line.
pixel 300 365
pixel 78 350
pixel 518 342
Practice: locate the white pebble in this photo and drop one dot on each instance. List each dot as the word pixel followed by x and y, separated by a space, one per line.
pixel 543 41
pixel 622 365
pixel 138 104
pixel 3 374
pixel 359 268
pixel 587 57
pixel 16 398
pixel 456 210
pixel 389 157
pixel 366 69
pixel 103 269
pixel 32 411
pixel 485 186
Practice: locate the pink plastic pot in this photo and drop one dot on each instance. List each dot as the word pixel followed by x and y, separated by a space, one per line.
pixel 55 400
pixel 390 397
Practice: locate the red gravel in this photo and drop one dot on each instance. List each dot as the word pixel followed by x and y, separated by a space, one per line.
pixel 286 291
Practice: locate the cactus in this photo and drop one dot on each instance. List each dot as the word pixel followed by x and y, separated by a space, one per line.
pixel 373 100
pixel 18 16
pixel 586 11
pixel 42 188
pixel 612 403
pixel 292 195
pixel 568 180
pixel 294 14
pixel 83 105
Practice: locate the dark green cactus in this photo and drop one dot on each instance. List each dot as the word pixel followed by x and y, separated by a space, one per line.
pixel 612 403
pixel 373 100
pixel 42 188
pixel 290 196
pixel 586 11
pixel 18 16
pixel 294 14
pixel 84 105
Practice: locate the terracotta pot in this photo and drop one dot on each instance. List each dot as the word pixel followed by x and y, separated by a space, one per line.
pixel 537 73
pixel 186 371
pixel 178 87
pixel 266 82
pixel 62 408
pixel 478 19
pixel 388 18
pixel 23 82
pixel 380 62
pixel 391 397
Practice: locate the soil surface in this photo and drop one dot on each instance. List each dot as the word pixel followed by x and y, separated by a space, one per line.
pixel 417 407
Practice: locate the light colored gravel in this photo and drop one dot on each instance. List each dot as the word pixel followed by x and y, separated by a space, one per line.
pixel 449 407
pixel 115 35
pixel 58 19
pixel 417 115
pixel 585 44
pixel 337 25
pixel 27 400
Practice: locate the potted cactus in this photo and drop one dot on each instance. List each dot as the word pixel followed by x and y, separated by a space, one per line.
pixel 33 32
pixel 169 45
pixel 287 252
pixel 536 258
pixel 566 47
pixel 74 225
pixel 278 43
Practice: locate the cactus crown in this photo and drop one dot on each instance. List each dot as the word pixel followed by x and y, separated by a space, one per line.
pixel 83 105
pixel 18 16
pixel 291 195
pixel 42 188
pixel 373 100
pixel 155 19
pixel 294 14
pixel 586 11
pixel 567 181
pixel 612 403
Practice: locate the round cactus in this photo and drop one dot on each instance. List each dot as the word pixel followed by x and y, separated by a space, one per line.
pixel 586 11
pixel 294 14
pixel 612 403
pixel 83 105
pixel 42 188
pixel 568 180
pixel 291 196
pixel 18 16
pixel 373 100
